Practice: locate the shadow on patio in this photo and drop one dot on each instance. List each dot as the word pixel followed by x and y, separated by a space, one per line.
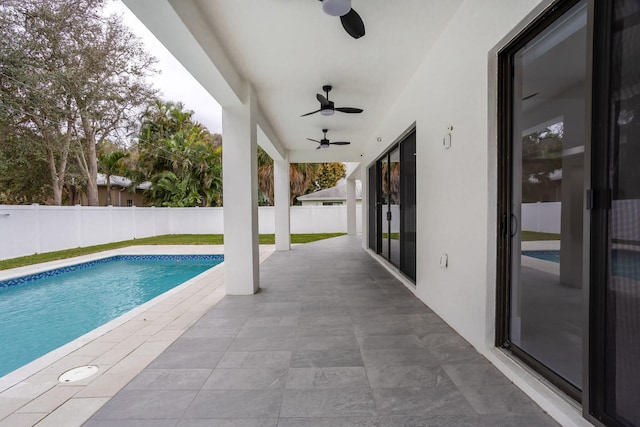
pixel 332 339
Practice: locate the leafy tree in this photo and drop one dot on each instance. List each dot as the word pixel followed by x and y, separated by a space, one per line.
pixel 328 175
pixel 179 156
pixel 73 78
pixel 541 160
pixel 23 171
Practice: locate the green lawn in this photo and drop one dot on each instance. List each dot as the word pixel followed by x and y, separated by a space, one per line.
pixel 172 239
pixel 528 236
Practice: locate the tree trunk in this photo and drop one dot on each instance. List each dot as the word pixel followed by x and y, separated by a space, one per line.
pixel 57 194
pixel 92 160
pixel 56 172
pixel 108 190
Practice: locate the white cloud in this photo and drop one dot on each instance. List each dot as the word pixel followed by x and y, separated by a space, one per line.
pixel 174 81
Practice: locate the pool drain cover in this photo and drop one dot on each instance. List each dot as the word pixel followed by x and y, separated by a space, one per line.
pixel 78 374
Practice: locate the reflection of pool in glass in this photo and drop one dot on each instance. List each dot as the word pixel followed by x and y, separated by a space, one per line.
pixel 544 255
pixel 624 263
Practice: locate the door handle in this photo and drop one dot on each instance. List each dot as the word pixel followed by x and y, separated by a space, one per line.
pixel 389 216
pixel 514 229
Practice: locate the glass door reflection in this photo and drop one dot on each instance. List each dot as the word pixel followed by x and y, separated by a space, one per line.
pixel 394 207
pixel 384 202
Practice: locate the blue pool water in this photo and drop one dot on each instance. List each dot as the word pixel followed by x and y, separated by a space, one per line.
pixel 41 312
pixel 544 255
pixel 624 263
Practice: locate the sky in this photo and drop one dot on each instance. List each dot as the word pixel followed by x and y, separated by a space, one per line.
pixel 188 91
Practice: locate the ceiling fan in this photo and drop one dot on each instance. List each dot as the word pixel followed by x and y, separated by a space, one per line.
pixel 328 108
pixel 351 21
pixel 324 142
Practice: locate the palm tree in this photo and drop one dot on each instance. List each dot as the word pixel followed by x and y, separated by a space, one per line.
pixel 191 172
pixel 111 164
pixel 180 157
pixel 301 176
pixel 265 175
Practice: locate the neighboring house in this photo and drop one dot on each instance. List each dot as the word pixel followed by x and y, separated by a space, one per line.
pixel 334 196
pixel 120 195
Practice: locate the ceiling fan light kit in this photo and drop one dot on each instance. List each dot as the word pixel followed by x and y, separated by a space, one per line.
pixel 350 19
pixel 336 7
pixel 325 143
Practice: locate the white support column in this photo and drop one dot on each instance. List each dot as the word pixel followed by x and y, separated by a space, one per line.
pixel 282 189
pixel 351 206
pixel 240 196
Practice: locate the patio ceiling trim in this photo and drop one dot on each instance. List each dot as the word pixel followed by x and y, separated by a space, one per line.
pixel 268 140
pixel 326 155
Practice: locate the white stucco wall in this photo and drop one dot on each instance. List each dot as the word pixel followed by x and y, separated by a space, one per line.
pixel 456 187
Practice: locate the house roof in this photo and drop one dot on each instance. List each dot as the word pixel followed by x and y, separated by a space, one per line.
pixel 339 192
pixel 120 181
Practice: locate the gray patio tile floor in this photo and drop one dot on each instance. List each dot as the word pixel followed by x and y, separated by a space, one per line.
pixel 331 339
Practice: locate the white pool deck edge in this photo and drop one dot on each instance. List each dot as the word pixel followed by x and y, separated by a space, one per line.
pixel 33 396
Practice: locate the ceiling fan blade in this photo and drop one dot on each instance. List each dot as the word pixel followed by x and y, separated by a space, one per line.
pixel 314 140
pixel 349 110
pixel 353 24
pixel 318 147
pixel 313 112
pixel 340 143
pixel 324 102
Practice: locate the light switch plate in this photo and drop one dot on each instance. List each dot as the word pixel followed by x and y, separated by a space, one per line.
pixel 444 261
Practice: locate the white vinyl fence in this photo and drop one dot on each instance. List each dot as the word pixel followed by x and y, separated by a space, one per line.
pixel 542 216
pixel 25 230
pixel 546 217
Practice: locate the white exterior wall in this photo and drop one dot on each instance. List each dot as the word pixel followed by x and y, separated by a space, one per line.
pixel 456 188
pixel 25 230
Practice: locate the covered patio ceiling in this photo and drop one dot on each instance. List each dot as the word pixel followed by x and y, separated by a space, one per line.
pixel 288 49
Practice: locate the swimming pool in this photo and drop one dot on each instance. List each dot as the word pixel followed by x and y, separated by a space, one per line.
pixel 43 311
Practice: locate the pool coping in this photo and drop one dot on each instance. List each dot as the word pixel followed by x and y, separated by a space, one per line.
pixel 121 348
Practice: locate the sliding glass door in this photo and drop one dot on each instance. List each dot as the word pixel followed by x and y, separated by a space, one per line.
pixel 392 181
pixel 408 211
pixel 393 217
pixel 385 206
pixel 615 372
pixel 544 205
